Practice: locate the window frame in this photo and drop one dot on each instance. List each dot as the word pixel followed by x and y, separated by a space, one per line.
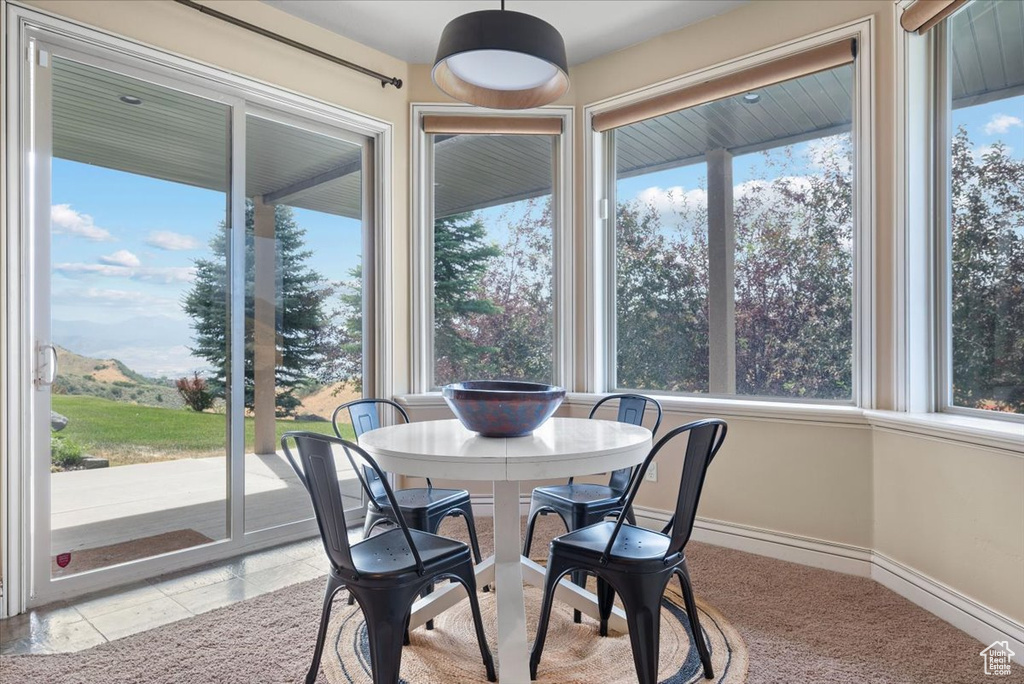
pixel 27 26
pixel 422 242
pixel 940 75
pixel 599 315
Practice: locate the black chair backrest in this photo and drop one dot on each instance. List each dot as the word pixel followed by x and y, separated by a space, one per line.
pixel 320 477
pixel 631 410
pixel 705 439
pixel 365 416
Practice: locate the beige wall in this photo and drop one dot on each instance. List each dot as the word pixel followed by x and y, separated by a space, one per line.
pixel 952 512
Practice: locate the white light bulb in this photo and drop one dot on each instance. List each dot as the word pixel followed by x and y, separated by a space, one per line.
pixel 501 70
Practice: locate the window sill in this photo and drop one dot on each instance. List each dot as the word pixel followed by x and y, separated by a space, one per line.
pixel 739 408
pixel 983 432
pixel 746 408
pixel 980 432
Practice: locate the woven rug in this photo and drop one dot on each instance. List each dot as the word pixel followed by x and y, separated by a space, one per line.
pixel 573 653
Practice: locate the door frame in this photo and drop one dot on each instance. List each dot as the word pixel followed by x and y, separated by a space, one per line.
pixel 26 578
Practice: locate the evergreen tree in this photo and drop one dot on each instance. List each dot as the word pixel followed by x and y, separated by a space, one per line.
pixel 461 258
pixel 300 320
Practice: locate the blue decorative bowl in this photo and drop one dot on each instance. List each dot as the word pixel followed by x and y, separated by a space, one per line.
pixel 500 408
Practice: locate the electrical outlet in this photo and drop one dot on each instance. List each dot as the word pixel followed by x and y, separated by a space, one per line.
pixel 652 473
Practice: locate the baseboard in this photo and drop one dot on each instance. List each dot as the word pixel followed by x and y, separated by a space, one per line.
pixel 979 621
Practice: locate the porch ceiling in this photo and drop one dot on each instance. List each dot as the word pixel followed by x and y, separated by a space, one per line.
pixel 179 137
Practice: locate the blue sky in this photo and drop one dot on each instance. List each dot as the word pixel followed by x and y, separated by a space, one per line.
pixel 986 124
pixel 123 245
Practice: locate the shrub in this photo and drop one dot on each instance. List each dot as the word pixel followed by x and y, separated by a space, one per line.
pixel 194 392
pixel 65 452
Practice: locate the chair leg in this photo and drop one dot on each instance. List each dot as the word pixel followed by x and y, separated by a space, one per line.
pixel 630 517
pixel 333 586
pixel 641 597
pixel 605 601
pixel 467 513
pixel 556 569
pixel 429 589
pixel 691 613
pixel 531 519
pixel 385 614
pixel 579 578
pixel 467 577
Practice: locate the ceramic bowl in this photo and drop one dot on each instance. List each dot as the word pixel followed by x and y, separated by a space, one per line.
pixel 502 408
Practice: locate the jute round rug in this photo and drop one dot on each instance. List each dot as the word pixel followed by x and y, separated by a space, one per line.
pixel 573 653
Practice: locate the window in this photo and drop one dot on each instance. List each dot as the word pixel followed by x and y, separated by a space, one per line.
pixel 493 299
pixel 493 258
pixel 732 243
pixel 981 207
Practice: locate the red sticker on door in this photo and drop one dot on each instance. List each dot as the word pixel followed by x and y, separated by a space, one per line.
pixel 63 559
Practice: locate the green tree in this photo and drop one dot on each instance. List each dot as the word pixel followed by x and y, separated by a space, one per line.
pixel 987 277
pixel 461 257
pixel 345 334
pixel 519 335
pixel 301 293
pixel 661 298
pixel 794 275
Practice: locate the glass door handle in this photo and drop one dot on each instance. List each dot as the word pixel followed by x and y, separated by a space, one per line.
pixel 44 350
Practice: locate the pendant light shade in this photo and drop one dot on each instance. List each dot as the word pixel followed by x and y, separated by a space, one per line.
pixel 501 60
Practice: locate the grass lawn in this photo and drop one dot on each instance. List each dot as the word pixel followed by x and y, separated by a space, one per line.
pixel 129 433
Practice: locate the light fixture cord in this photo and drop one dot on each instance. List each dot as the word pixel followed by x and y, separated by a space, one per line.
pixel 502 5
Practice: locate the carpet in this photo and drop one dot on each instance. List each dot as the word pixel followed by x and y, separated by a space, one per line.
pixel 123 552
pixel 800 624
pixel 573 653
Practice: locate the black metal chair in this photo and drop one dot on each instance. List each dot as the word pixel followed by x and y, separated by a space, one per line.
pixel 580 505
pixel 384 573
pixel 638 563
pixel 423 508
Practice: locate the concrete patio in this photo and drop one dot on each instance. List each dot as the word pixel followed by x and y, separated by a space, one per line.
pixel 95 508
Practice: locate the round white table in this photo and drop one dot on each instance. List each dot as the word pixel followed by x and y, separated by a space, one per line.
pixel 560 448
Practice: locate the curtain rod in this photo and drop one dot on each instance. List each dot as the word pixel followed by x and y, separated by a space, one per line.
pixel 384 80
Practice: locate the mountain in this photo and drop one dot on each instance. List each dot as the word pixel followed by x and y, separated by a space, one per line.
pixel 156 346
pixel 111 379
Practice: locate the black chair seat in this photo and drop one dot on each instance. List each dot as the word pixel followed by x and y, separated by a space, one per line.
pixel 388 556
pixel 579 493
pixel 632 544
pixel 425 497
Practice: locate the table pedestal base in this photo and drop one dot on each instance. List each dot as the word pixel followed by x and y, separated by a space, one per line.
pixel 508 570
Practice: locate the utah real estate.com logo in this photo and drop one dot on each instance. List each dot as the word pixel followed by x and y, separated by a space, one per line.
pixel 997 658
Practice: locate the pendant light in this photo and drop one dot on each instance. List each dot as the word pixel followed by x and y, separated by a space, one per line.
pixel 501 60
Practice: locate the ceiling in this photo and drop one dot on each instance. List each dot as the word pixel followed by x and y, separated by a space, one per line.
pixel 410 29
pixel 182 138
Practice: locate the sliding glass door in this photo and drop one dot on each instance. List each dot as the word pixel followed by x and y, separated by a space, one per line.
pixel 196 290
pixel 139 201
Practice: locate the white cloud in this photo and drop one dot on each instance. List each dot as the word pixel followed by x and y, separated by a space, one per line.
pixel 121 257
pixel 126 301
pixel 152 274
pixel 170 241
pixel 1002 123
pixel 671 202
pixel 67 221
pixel 978 153
pixel 828 148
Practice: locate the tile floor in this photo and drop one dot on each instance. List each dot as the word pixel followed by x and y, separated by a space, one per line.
pixel 91 620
